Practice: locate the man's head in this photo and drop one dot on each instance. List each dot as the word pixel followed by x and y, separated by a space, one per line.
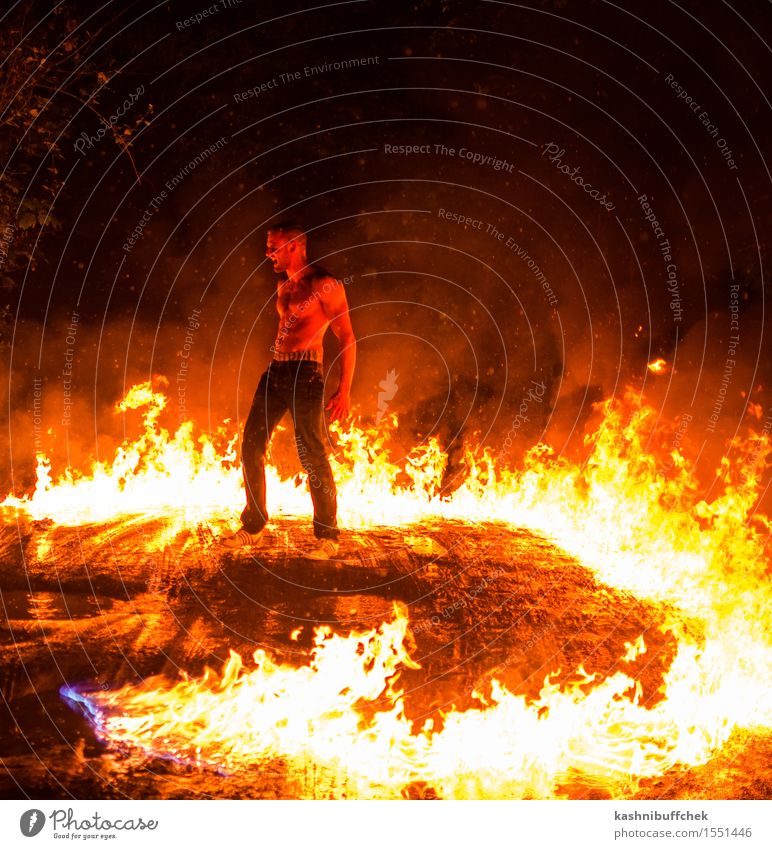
pixel 286 246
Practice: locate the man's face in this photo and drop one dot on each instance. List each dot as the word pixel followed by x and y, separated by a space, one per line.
pixel 279 250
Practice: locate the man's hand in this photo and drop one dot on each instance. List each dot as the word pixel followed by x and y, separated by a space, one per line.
pixel 339 405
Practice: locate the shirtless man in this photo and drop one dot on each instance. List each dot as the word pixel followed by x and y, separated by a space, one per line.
pixel 309 301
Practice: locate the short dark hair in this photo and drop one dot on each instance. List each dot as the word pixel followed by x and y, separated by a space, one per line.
pixel 290 229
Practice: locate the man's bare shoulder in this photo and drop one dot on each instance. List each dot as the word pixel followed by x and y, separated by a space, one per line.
pixel 319 278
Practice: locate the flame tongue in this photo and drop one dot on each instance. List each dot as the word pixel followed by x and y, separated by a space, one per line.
pixel 147 475
pixel 273 710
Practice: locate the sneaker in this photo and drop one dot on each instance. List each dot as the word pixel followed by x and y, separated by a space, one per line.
pixel 325 549
pixel 241 539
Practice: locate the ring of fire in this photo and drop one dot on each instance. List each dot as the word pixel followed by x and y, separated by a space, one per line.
pixel 690 561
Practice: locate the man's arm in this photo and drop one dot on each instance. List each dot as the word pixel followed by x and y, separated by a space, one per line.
pixel 332 295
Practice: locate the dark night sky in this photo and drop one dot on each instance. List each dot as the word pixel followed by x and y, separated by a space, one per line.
pixel 455 309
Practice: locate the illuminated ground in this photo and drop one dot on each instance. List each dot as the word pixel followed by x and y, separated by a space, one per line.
pixel 98 604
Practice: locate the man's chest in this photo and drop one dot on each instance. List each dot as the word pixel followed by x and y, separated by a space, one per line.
pixel 296 299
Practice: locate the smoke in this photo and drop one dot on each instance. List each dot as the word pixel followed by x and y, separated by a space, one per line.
pixel 496 231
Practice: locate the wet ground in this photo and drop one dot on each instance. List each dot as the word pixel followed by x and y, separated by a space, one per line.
pixel 108 604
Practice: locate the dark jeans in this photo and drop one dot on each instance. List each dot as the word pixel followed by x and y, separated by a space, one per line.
pixel 299 388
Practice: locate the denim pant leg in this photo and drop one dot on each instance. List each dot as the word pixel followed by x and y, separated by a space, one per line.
pixel 268 406
pixel 310 440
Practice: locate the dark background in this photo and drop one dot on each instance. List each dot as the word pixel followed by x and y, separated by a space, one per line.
pixel 460 317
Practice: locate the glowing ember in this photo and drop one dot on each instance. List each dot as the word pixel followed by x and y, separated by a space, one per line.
pixel 637 529
pixel 658 366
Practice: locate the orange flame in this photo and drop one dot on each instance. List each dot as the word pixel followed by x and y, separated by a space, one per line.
pixel 635 528
pixel 658 366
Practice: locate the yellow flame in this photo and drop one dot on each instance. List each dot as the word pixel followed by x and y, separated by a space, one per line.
pixel 147 475
pixel 637 529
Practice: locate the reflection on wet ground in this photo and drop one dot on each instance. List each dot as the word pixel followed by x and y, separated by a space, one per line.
pixel 108 604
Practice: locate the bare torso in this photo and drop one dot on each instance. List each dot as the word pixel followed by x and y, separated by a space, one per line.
pixel 302 321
